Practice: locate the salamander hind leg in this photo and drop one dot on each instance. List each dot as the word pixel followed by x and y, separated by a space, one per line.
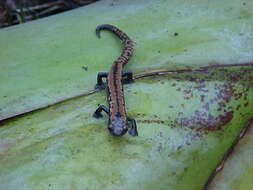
pixel 133 130
pixel 127 77
pixel 97 113
pixel 100 83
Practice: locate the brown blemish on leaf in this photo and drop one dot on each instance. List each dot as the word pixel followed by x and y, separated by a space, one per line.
pixel 141 114
pixel 217 111
pixel 246 104
pixel 149 121
pixel 160 147
pixel 204 121
pixel 238 107
pixel 202 98
pixel 180 113
pixel 187 91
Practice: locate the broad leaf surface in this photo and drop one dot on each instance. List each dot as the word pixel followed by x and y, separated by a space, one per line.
pixel 187 121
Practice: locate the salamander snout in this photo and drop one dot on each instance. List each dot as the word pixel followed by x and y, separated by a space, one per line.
pixel 117 127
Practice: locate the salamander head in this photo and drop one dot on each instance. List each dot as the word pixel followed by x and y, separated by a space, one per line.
pixel 117 127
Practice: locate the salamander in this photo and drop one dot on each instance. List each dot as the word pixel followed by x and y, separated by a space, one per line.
pixel 118 120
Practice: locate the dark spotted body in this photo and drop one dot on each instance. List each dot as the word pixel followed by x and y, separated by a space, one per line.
pixel 117 113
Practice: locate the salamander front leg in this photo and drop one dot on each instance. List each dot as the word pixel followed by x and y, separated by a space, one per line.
pixel 127 77
pixel 133 130
pixel 97 113
pixel 100 84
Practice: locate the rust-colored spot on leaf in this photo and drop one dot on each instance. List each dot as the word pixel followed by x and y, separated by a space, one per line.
pixel 205 121
pixel 246 104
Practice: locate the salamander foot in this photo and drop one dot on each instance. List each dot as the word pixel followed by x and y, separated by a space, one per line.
pixel 97 113
pixel 133 130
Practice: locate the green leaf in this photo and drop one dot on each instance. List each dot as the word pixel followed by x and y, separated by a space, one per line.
pixel 237 172
pixel 56 58
pixel 191 97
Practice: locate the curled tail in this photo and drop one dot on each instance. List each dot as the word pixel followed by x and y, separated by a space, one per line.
pixel 128 43
pixel 113 29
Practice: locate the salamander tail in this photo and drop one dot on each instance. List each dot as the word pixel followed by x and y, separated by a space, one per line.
pixel 102 27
